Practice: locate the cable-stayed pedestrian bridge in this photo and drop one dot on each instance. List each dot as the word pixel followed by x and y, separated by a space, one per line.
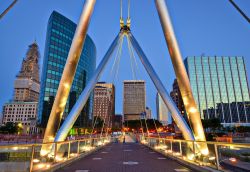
pixel 105 153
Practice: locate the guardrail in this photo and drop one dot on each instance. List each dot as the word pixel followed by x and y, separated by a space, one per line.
pixel 26 157
pixel 234 156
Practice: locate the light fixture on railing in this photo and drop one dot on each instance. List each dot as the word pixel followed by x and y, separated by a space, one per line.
pixel 211 158
pixel 190 156
pixel 36 160
pixel 232 159
pixel 168 151
pixel 162 147
pixel 177 154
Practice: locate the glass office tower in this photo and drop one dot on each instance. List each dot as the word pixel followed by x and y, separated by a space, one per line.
pixel 220 88
pixel 60 32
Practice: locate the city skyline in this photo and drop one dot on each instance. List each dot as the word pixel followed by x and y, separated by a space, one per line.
pixel 185 35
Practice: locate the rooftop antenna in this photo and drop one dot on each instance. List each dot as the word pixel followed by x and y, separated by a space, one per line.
pixel 125 27
pixel 121 19
pixel 128 19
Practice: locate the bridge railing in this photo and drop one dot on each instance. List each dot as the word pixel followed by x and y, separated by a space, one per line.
pixel 27 157
pixel 221 155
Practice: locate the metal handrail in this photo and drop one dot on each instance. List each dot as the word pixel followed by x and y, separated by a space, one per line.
pixel 39 144
pixel 243 145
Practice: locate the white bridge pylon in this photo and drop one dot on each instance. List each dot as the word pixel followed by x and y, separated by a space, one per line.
pixel 70 68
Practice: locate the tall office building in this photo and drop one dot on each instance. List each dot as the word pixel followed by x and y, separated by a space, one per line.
pixel 104 102
pixel 27 83
pixel 23 108
pixel 134 99
pixel 60 32
pixel 220 88
pixel 177 98
pixel 163 113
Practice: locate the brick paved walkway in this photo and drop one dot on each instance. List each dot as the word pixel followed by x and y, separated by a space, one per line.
pixel 129 157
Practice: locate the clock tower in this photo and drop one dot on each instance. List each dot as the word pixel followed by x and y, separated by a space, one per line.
pixel 27 83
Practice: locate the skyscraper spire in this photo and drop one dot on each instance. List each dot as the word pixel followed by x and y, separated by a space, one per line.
pixel 30 65
pixel 27 83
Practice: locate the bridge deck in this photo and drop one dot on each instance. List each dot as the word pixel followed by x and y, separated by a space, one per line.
pixel 129 157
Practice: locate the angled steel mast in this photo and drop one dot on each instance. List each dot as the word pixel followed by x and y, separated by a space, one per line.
pixel 67 76
pixel 181 74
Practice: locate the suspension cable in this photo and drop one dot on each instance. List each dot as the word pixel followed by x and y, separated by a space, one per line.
pixel 131 62
pixel 156 129
pixel 145 120
pixel 133 55
pixel 119 59
pixel 134 67
pixel 114 64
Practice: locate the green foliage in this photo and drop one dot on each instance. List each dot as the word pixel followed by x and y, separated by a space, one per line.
pixel 10 128
pixel 137 124
pixel 239 129
pixel 213 124
pixel 242 129
pixel 236 154
pixel 98 122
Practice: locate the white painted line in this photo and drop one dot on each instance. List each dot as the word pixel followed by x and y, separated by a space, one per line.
pixel 104 152
pixel 130 163
pixel 82 171
pixel 181 170
pixel 161 158
pixel 127 150
pixel 97 158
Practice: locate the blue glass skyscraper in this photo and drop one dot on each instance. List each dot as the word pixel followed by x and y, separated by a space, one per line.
pixel 220 88
pixel 60 32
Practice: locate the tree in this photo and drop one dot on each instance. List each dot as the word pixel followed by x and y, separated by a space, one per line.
pixel 137 124
pixel 98 122
pixel 212 124
pixel 10 128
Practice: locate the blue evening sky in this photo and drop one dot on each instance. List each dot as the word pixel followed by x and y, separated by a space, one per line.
pixel 209 27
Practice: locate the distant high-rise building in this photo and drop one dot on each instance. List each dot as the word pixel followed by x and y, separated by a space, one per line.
pixel 60 32
pixel 148 113
pixel 177 98
pixel 27 83
pixel 23 108
pixel 134 99
pixel 104 102
pixel 220 88
pixel 163 113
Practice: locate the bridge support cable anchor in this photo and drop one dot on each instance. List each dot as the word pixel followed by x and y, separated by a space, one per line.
pixel 187 133
pixel 181 75
pixel 77 108
pixel 67 76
